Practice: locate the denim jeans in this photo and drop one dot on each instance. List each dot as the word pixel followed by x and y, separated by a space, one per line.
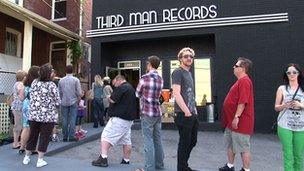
pixel 98 112
pixel 69 114
pixel 154 154
pixel 187 128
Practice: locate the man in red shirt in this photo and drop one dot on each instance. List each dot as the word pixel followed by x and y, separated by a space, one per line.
pixel 238 116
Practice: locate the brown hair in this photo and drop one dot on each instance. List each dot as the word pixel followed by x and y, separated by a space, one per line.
pixel 154 61
pixel 33 73
pixel 183 50
pixel 45 72
pixel 69 69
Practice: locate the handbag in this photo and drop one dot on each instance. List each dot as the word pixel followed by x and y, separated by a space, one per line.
pixel 274 125
pixel 90 95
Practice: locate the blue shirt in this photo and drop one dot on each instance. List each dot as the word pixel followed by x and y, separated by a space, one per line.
pixel 69 89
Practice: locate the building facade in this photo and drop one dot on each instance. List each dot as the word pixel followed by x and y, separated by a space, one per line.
pixel 37 32
pixel 270 33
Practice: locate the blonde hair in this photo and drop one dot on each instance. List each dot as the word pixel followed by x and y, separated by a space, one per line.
pixel 20 75
pixel 183 50
pixel 98 80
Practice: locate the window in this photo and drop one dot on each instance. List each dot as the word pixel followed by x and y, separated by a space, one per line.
pixel 12 42
pixel 173 65
pixel 59 9
pixel 202 74
pixel 202 78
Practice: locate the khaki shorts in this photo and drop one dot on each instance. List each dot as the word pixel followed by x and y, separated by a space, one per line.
pixel 117 131
pixel 238 142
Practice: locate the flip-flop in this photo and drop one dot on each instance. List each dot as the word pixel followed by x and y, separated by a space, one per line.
pixel 16 147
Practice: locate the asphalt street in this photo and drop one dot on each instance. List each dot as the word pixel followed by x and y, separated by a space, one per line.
pixel 208 154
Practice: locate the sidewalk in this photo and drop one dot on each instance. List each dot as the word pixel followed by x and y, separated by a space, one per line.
pixel 208 154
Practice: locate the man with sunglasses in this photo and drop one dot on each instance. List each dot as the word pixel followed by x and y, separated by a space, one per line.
pixel 238 116
pixel 185 108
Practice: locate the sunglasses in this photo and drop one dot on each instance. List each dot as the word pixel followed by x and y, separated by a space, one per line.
pixel 188 56
pixel 292 72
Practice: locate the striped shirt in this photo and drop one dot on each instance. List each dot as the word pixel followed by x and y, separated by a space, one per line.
pixel 148 91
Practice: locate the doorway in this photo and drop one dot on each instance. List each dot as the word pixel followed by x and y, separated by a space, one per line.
pixel 132 72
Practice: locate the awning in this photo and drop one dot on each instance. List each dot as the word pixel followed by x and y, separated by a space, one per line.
pixel 44 24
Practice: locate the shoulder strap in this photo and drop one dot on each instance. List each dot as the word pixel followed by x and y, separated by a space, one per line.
pixel 295 93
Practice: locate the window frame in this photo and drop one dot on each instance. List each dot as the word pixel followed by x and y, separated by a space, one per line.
pixel 19 37
pixel 53 11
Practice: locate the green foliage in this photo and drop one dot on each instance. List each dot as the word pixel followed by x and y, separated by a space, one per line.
pixel 3 136
pixel 76 51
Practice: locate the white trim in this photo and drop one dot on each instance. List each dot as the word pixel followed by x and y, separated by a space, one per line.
pixel 59 19
pixel 19 37
pixel 226 21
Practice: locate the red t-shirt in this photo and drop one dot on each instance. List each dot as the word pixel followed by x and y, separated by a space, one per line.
pixel 240 93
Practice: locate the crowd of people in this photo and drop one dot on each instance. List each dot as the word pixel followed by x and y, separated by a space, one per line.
pixel 38 101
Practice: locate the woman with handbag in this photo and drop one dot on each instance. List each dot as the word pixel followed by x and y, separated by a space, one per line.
pixel 290 103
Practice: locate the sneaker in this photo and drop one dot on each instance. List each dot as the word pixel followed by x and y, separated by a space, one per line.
pixel 124 162
pixel 226 168
pixel 26 159
pixel 40 163
pixel 55 138
pixel 101 162
pixel 79 135
pixel 84 131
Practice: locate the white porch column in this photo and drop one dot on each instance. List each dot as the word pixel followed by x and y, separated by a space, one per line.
pixel 27 45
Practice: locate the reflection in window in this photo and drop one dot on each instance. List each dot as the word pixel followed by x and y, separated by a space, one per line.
pixel 160 69
pixel 202 74
pixel 173 65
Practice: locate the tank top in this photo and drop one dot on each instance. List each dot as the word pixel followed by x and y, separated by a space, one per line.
pixel 98 92
pixel 291 119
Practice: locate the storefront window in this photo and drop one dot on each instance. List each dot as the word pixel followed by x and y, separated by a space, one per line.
pixel 202 78
pixel 173 65
pixel 160 69
pixel 202 74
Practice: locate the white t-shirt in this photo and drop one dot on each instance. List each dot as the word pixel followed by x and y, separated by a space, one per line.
pixel 291 119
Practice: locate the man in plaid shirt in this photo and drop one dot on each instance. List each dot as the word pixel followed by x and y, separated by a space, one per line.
pixel 148 91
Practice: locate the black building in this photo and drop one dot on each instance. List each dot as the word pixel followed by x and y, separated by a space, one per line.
pixel 269 32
